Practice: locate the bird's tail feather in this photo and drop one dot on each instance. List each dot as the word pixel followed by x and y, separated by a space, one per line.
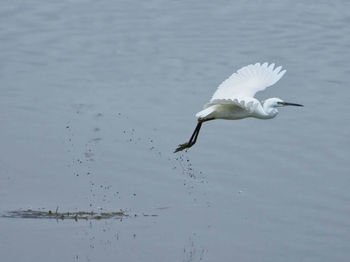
pixel 205 112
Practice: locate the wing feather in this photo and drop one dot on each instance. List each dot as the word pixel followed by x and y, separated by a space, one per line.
pixel 248 80
pixel 246 103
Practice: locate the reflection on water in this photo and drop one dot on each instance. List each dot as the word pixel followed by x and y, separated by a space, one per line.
pixel 193 252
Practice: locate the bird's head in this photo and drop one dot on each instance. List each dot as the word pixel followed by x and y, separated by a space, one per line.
pixel 271 104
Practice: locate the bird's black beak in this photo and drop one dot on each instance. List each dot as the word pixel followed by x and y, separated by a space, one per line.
pixel 290 104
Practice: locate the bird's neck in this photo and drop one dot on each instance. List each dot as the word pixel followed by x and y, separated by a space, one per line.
pixel 270 112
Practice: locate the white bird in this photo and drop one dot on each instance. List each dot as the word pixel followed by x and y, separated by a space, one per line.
pixel 234 98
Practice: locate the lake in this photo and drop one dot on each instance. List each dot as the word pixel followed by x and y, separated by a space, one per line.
pixel 96 95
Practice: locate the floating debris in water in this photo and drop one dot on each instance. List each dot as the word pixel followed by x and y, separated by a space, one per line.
pixel 65 215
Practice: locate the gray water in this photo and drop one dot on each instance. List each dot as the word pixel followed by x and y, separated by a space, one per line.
pixel 96 95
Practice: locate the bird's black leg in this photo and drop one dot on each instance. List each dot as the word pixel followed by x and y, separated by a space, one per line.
pixel 199 125
pixel 194 136
pixel 189 143
pixel 195 133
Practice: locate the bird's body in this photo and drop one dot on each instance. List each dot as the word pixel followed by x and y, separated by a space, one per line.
pixel 233 110
pixel 234 98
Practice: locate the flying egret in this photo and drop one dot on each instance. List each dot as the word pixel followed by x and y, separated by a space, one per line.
pixel 234 98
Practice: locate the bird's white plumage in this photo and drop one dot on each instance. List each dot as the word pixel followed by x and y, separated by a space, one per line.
pixel 247 81
pixel 246 103
pixel 234 98
pixel 239 91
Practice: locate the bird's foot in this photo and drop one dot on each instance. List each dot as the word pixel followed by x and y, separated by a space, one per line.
pixel 183 146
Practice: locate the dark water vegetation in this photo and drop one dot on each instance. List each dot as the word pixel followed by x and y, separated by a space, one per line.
pixel 76 215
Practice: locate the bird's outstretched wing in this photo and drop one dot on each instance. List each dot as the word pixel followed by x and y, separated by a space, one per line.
pixel 248 80
pixel 246 103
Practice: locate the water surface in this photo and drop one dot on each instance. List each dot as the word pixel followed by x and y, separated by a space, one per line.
pixel 96 95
